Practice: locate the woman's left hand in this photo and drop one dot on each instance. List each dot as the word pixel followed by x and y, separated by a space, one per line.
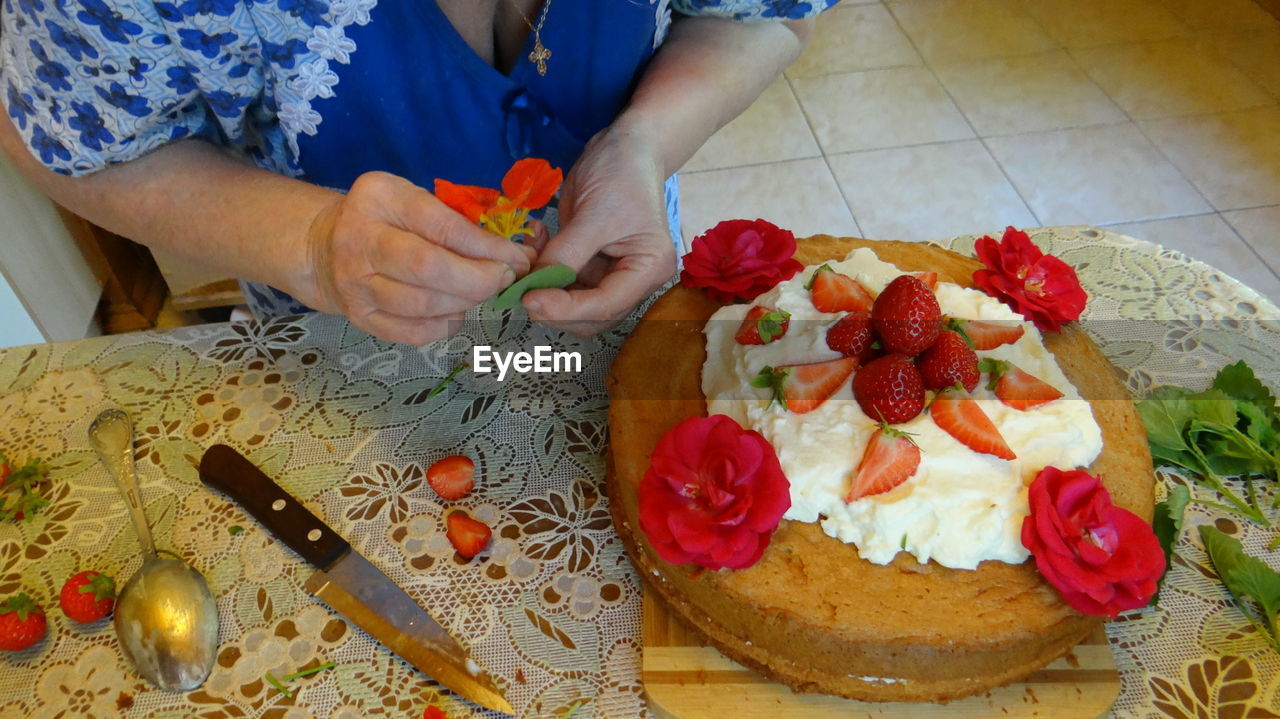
pixel 613 233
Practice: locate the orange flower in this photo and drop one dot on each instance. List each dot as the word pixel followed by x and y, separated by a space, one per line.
pixel 528 185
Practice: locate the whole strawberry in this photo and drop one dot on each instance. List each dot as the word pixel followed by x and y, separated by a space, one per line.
pixel 851 336
pixel 22 623
pixel 906 316
pixel 88 596
pixel 889 389
pixel 948 361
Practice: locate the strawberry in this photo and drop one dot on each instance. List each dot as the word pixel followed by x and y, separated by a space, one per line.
pixel 434 712
pixel 930 279
pixel 988 335
pixel 452 477
pixel 906 316
pixel 948 361
pixel 804 387
pixel 87 597
pixel 762 325
pixel 1017 388
pixel 22 623
pixel 851 335
pixel 889 389
pixel 834 292
pixel 890 458
pixel 960 416
pixel 468 536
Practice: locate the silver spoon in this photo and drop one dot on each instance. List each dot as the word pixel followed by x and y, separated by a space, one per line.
pixel 165 617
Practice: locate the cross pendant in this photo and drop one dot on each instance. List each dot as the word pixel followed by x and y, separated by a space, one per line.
pixel 539 56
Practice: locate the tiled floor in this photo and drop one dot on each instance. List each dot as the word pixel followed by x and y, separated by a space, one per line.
pixel 923 119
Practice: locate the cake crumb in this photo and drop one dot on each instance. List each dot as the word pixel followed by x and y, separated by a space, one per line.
pixel 520 675
pixel 1072 660
pixel 124 701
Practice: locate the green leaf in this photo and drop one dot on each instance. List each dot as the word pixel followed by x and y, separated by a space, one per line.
pixel 1166 414
pixel 772 325
pixel 1237 381
pixel 772 379
pixel 234 529
pixel 1167 524
pixel 824 268
pixel 539 279
pixel 1212 405
pixel 1245 576
pixel 1257 425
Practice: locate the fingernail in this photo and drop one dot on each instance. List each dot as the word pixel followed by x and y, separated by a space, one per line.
pixel 508 277
pixel 532 305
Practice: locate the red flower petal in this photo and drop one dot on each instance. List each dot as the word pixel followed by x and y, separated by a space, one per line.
pixel 469 200
pixel 531 183
pixel 740 260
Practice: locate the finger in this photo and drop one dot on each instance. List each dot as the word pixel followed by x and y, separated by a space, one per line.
pixel 415 331
pixel 401 298
pixel 412 208
pixel 409 259
pixel 587 311
pixel 540 236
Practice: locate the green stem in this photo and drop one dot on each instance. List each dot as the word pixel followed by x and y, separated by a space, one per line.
pixel 279 687
pixel 1274 543
pixel 312 670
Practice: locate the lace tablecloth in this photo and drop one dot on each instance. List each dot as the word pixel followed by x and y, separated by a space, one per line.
pixel 346 423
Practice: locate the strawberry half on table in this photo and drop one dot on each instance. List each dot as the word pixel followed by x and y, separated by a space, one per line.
pixel 804 387
pixel 468 536
pixel 22 623
pixel 88 596
pixel 452 477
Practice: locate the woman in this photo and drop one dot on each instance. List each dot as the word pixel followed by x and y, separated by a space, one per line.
pixel 288 141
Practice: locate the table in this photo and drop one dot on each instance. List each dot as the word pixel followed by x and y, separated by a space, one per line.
pixel 347 424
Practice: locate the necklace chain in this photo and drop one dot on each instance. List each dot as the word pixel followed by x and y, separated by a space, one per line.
pixel 540 53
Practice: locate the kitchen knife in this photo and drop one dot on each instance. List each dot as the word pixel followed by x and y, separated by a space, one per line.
pixel 348 583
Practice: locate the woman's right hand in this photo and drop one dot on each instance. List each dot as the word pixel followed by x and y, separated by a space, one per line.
pixel 400 264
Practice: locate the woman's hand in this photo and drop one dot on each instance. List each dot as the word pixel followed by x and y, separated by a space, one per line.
pixel 400 264
pixel 613 232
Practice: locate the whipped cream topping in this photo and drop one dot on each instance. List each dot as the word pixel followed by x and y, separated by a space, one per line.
pixel 960 507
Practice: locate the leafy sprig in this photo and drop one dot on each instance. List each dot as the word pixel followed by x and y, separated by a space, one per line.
pixel 1230 429
pixel 20 496
pixel 1246 577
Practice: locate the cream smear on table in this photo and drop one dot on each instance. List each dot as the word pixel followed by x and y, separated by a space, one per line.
pixel 960 507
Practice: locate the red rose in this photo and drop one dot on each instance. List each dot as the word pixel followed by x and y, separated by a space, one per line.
pixel 1103 559
pixel 713 494
pixel 1041 287
pixel 740 260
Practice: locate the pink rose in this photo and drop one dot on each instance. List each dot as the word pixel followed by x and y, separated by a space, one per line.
pixel 713 495
pixel 740 260
pixel 1101 558
pixel 1041 287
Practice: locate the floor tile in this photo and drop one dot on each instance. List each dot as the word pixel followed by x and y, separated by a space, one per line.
pixel 800 195
pixel 952 30
pixel 928 192
pixel 879 108
pixel 772 129
pixel 1256 52
pixel 1260 227
pixel 1233 158
pixel 857 37
pixel 1221 14
pixel 1209 239
pixel 1095 175
pixel 1089 23
pixel 1028 93
pixel 1169 78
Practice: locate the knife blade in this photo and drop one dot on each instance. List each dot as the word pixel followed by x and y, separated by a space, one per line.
pixel 349 583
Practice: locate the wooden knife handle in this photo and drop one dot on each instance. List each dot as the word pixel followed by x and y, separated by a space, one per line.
pixel 227 470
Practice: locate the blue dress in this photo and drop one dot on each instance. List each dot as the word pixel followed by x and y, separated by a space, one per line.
pixel 325 90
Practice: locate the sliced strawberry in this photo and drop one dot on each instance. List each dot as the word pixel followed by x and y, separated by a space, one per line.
pixel 452 477
pixel 1016 388
pixel 960 416
pixel 468 536
pixel 930 279
pixel 988 335
pixel 834 292
pixel 889 389
pixel 804 387
pixel 906 316
pixel 948 361
pixel 851 335
pixel 889 460
pixel 762 325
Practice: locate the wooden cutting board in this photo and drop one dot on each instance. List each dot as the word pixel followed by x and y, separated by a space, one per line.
pixel 685 679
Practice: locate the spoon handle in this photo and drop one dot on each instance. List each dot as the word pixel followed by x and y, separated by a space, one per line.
pixel 111 435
